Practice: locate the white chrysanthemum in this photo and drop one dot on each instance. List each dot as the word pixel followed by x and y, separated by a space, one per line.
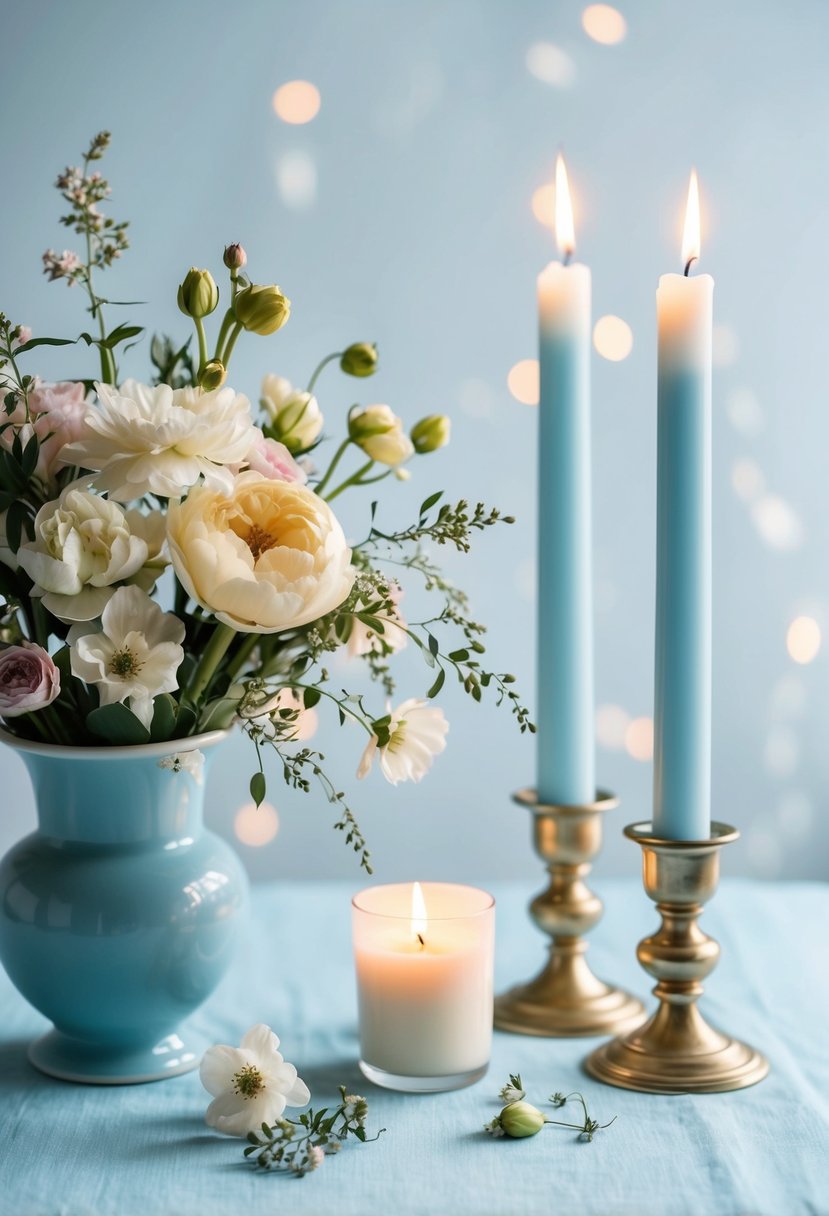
pixel 145 440
pixel 251 1084
pixel 417 733
pixel 265 557
pixel 84 545
pixel 136 654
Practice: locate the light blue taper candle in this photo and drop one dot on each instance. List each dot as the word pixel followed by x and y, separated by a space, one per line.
pixel 682 715
pixel 565 717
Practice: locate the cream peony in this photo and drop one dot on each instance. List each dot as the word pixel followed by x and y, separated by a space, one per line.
pixel 268 556
pixel 417 733
pixel 294 415
pixel 84 546
pixel 145 440
pixel 134 656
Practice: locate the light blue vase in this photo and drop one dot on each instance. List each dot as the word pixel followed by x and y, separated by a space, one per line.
pixel 120 914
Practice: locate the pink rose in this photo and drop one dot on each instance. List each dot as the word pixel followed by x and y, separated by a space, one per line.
pixel 269 458
pixel 29 680
pixel 56 411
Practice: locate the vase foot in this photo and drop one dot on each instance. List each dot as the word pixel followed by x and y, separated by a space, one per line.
pixel 69 1059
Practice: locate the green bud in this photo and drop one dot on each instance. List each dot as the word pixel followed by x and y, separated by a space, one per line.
pixel 521 1119
pixel 198 295
pixel 262 310
pixel 431 433
pixel 360 359
pixel 213 375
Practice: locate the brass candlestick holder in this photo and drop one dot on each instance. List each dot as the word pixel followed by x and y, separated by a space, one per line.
pixel 677 1051
pixel 566 999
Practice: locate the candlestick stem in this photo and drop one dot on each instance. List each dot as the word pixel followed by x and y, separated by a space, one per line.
pixel 676 1050
pixel 566 999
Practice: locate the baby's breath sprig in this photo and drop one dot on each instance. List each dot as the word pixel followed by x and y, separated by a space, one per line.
pixel 588 1127
pixel 300 1146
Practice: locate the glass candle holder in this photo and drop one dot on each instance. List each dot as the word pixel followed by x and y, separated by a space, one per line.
pixel 424 957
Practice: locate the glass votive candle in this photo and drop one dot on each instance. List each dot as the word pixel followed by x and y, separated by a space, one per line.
pixel 424 957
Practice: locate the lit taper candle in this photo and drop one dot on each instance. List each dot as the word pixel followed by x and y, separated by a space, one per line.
pixel 682 717
pixel 565 716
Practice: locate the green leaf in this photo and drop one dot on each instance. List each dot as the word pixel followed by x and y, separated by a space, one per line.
pixel 429 502
pixel 33 342
pixel 459 656
pixel 252 1138
pixel 163 725
pixel 433 645
pixel 185 721
pixel 311 697
pixel 217 715
pixel 258 788
pixel 117 725
pixel 438 684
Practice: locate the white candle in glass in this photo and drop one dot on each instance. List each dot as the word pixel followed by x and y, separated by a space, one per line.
pixel 424 982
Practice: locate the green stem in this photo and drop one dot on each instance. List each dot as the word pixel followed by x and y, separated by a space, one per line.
pixel 316 373
pixel 202 337
pixel 356 479
pixel 214 652
pixel 241 656
pixel 342 705
pixel 338 455
pixel 227 321
pixel 109 372
pixel 228 351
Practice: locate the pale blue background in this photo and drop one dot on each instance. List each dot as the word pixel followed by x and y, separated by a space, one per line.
pixel 432 137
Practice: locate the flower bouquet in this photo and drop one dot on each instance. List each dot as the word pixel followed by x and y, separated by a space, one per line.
pixel 170 559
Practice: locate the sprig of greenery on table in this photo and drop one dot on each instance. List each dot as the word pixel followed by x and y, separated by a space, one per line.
pixel 301 1145
pixel 519 1119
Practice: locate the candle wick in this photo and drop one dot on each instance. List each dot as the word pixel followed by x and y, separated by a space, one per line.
pixel 689 264
pixel 566 256
pixel 419 937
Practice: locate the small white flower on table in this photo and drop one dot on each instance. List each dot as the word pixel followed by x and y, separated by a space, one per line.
pixel 251 1084
pixel 185 762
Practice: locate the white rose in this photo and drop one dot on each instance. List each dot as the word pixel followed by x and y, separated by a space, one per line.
pixel 294 416
pixel 84 546
pixel 379 432
pixel 269 556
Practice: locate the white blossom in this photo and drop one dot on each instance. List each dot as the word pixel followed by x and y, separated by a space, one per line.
pixel 417 733
pixel 251 1084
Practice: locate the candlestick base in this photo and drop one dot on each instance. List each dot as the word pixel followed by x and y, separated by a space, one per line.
pixel 566 1000
pixel 421 1085
pixel 677 1051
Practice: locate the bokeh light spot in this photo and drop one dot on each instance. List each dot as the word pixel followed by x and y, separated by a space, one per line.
pixel 604 23
pixel 803 639
pixel 777 522
pixel 296 180
pixel 745 412
pixel 639 739
pixel 550 64
pixel 296 101
pixel 543 205
pixel 782 751
pixel 523 381
pixel 255 825
pixel 612 723
pixel 612 338
pixel 747 480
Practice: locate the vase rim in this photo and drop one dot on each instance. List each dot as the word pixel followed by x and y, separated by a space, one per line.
pixel 189 743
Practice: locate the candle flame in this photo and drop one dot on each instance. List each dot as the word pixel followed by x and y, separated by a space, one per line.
pixel 419 921
pixel 565 232
pixel 691 233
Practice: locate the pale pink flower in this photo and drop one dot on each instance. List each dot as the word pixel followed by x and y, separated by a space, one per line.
pixel 270 458
pixel 29 680
pixel 57 417
pixel 24 335
pixel 61 265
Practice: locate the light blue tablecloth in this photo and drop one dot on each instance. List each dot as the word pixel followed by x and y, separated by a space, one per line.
pixel 79 1151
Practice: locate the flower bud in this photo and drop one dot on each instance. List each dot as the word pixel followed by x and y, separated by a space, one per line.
pixel 198 295
pixel 360 359
pixel 213 375
pixel 234 257
pixel 431 433
pixel 520 1119
pixel 379 432
pixel 262 310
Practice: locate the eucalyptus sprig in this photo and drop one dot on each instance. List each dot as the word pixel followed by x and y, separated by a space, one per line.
pixel 301 1145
